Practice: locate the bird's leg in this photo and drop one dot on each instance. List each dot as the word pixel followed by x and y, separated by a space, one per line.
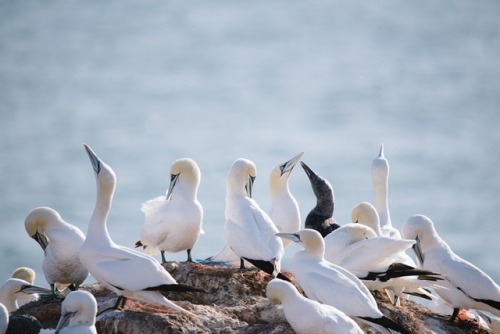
pixel 120 303
pixel 454 314
pixel 189 256
pixel 53 289
pixel 242 263
pixel 163 261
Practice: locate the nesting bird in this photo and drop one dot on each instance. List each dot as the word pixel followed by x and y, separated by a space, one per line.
pixel 78 313
pixel 249 230
pixel 330 284
pixel 468 287
pixel 124 271
pixel 309 316
pixel 173 222
pixel 12 288
pixel 61 243
pixel 374 260
pixel 320 218
pixel 28 275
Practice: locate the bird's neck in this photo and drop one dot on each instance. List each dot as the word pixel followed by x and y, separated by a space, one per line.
pixel 97 229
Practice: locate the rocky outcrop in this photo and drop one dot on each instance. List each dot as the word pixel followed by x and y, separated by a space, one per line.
pixel 234 302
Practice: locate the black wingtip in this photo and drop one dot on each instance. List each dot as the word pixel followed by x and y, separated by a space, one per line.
pixel 387 323
pixel 267 267
pixel 174 288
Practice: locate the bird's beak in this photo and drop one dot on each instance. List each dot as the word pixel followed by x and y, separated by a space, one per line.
pixel 309 172
pixel 32 289
pixel 63 321
pixel 96 162
pixel 287 167
pixel 173 182
pixel 418 251
pixel 290 236
pixel 381 153
pixel 249 186
pixel 41 239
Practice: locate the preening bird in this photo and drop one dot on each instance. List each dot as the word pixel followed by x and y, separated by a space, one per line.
pixel 61 244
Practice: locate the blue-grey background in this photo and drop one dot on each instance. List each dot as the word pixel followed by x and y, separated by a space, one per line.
pixel 149 82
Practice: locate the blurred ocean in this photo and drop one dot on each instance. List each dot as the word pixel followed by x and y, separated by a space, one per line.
pixel 147 83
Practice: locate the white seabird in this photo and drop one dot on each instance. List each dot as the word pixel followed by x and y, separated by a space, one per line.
pixel 330 284
pixel 284 212
pixel 4 319
pixel 61 243
pixel 78 313
pixel 250 232
pixel 27 274
pixel 469 287
pixel 12 288
pixel 380 181
pixel 125 271
pixel 309 316
pixel 374 259
pixel 365 213
pixel 173 222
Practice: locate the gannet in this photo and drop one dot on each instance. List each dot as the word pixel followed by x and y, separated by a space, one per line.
pixel 4 319
pixel 469 287
pixel 61 243
pixel 366 214
pixel 374 259
pixel 330 284
pixel 125 271
pixel 380 180
pixel 27 274
pixel 307 316
pixel 12 288
pixel 321 216
pixel 284 212
pixel 78 313
pixel 249 231
pixel 173 222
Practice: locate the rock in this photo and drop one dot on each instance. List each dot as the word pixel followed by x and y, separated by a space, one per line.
pixel 234 302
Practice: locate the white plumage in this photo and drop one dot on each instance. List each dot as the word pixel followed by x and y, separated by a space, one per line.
pixel 173 222
pixel 127 272
pixel 309 316
pixel 249 231
pixel 469 287
pixel 4 319
pixel 28 275
pixel 380 181
pixel 78 312
pixel 61 243
pixel 330 284
pixel 12 288
pixel 284 212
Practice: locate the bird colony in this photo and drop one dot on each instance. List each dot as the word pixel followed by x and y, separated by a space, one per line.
pixel 327 290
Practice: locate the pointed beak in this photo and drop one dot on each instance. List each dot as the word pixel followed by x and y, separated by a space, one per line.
pixel 287 167
pixel 310 174
pixel 290 236
pixel 381 153
pixel 63 321
pixel 32 289
pixel 249 186
pixel 173 182
pixel 418 251
pixel 41 239
pixel 96 163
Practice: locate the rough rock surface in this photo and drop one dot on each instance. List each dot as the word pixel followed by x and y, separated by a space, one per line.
pixel 234 302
